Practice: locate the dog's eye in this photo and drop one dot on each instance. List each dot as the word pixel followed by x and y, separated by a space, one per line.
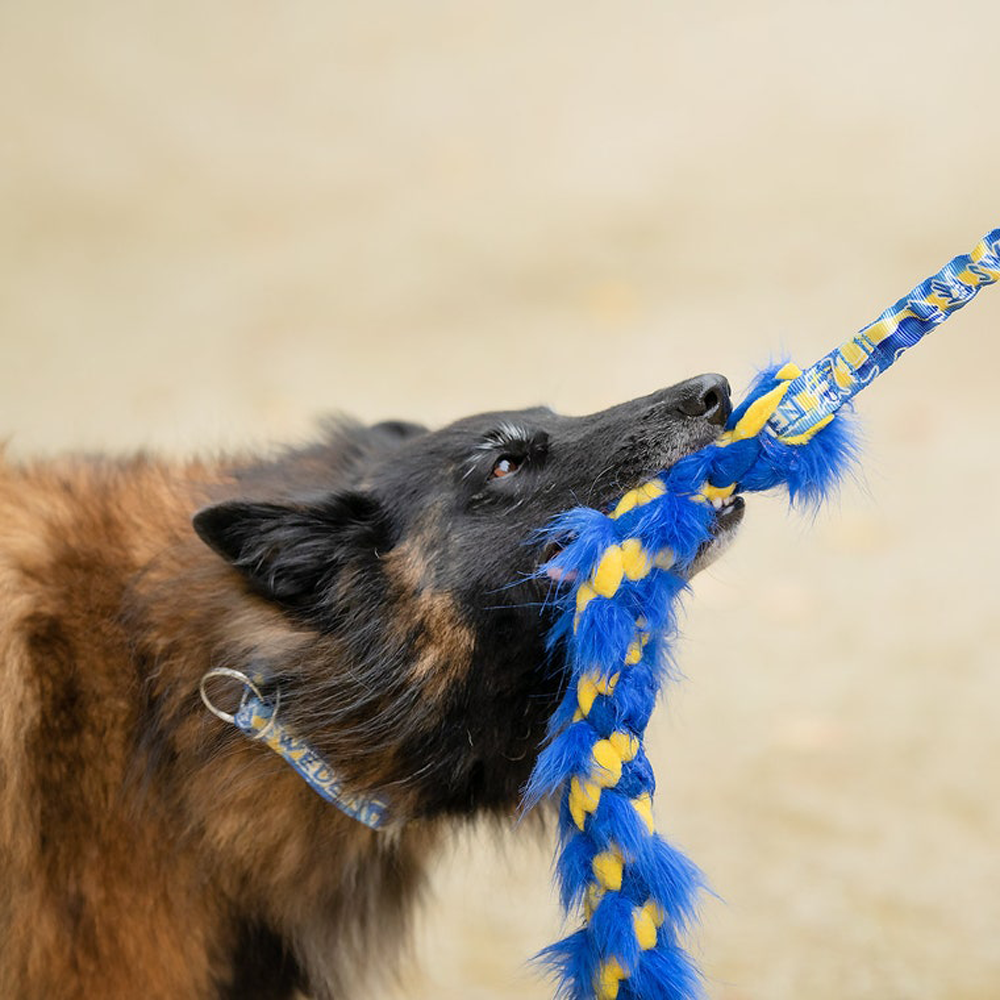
pixel 505 466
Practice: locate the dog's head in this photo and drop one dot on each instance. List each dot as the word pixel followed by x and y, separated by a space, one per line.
pixel 414 564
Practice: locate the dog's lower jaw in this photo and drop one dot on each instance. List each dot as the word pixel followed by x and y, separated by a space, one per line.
pixel 729 516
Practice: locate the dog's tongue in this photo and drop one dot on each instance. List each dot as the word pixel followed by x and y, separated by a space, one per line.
pixel 557 573
pixel 560 575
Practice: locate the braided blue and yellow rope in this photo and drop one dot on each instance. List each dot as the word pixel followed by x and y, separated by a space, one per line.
pixel 635 890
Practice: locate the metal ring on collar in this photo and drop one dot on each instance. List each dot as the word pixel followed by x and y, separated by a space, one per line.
pixel 236 675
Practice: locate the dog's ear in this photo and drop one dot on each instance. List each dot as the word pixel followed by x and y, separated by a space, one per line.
pixel 291 554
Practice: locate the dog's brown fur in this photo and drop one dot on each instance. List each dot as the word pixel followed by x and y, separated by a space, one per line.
pixel 387 580
pixel 81 837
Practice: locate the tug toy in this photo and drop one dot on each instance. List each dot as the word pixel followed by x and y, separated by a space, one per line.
pixel 636 892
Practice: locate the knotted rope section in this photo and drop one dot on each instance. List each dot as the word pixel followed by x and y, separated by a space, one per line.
pixel 637 892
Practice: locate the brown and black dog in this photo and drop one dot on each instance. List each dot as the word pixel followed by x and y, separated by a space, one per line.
pixel 384 581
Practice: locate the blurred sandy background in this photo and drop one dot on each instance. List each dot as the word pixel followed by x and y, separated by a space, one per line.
pixel 220 220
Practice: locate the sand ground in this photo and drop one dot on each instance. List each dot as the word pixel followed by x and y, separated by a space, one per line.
pixel 218 221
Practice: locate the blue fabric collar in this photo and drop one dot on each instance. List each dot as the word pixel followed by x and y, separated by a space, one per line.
pixel 257 717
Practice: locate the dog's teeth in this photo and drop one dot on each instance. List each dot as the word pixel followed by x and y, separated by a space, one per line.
pixel 717 503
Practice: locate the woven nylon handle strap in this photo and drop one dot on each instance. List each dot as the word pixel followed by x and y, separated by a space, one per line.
pixel 823 388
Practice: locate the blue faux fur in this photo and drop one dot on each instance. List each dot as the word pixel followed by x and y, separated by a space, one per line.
pixel 654 870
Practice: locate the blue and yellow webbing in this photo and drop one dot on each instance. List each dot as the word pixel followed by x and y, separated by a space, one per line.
pixel 257 716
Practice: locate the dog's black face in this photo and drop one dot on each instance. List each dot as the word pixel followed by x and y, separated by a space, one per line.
pixel 418 574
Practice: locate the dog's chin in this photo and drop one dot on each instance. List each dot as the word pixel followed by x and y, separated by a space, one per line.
pixel 728 516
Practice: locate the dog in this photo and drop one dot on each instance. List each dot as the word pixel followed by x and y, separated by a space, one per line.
pixel 380 588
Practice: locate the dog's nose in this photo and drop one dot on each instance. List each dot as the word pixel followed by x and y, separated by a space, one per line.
pixel 706 396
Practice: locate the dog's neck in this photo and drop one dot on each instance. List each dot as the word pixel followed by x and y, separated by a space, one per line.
pixel 256 830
